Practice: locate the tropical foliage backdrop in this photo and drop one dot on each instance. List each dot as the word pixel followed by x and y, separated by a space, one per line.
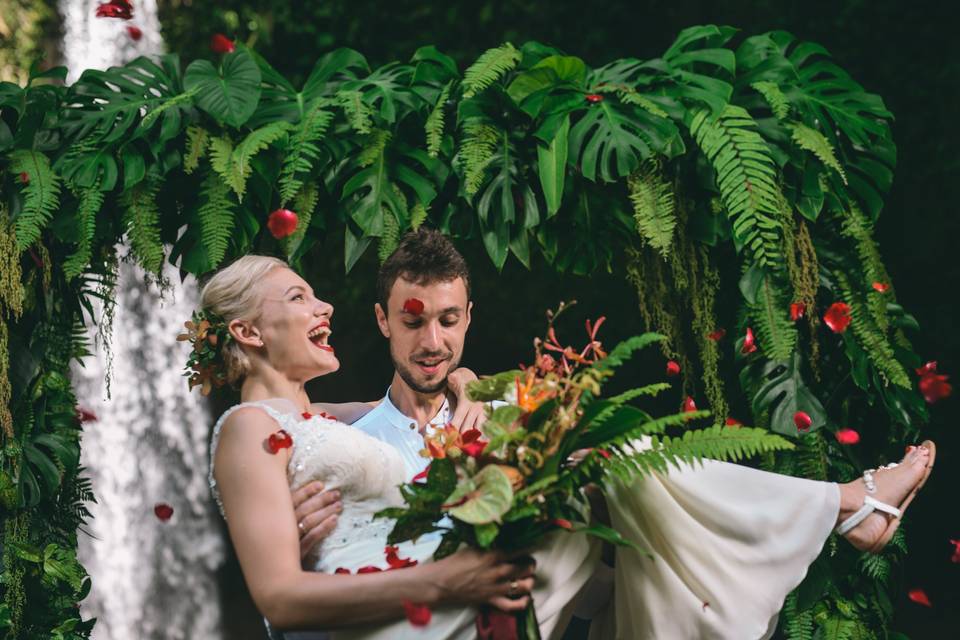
pixel 725 192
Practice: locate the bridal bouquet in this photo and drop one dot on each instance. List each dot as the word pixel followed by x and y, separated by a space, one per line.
pixel 548 436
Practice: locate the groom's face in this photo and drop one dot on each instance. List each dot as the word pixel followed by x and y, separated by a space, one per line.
pixel 425 346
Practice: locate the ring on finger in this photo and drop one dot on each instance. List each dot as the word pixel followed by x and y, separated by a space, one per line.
pixel 302 528
pixel 514 586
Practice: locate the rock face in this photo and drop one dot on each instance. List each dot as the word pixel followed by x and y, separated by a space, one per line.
pixel 153 579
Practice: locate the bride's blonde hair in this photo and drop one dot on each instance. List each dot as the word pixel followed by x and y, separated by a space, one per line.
pixel 232 294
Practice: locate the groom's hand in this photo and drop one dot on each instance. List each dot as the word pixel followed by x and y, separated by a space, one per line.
pixel 467 413
pixel 316 512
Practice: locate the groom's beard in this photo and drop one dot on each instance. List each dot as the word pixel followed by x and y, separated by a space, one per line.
pixel 407 373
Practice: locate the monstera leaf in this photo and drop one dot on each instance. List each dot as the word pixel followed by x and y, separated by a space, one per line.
pixel 387 89
pixel 482 499
pixel 229 94
pixel 779 391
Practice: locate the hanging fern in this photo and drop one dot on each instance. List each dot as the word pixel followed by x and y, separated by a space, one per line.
pixel 198 139
pixel 141 217
pixel 811 456
pixel 235 167
pixel 41 194
pixel 435 122
pixel 390 237
pixel 653 206
pixel 855 226
pixel 816 143
pixel 629 95
pixel 704 284
pixel 418 215
pixel 90 202
pixel 302 152
pixel 777 334
pixel 373 147
pixel 358 113
pixel 746 176
pixel 304 204
pixel 479 144
pixel 799 624
pixel 771 92
pixel 875 566
pixel 216 217
pixel 11 287
pixel 6 391
pixel 221 150
pixel 871 337
pixel 489 67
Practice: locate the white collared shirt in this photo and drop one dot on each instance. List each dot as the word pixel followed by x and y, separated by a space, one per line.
pixel 389 424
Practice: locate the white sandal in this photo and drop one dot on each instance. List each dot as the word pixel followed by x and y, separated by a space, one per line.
pixel 871 504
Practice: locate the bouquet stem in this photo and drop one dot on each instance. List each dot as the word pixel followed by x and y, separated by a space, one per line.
pixel 494 624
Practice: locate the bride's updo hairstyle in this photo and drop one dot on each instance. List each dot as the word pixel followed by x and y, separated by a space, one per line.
pixel 232 293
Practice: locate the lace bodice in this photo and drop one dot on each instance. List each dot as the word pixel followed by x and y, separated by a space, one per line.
pixel 365 470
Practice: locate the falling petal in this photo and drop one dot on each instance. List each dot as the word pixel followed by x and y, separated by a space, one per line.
pixel 135 33
pixel 115 9
pixel 802 420
pixel 163 511
pixel 837 317
pixel 279 440
pixel 418 614
pixel 934 387
pixel 593 98
pixel 717 335
pixel 733 422
pixel 413 306
pixel 880 287
pixel 956 551
pixel 673 368
pixel 847 436
pixel 563 523
pixel 749 342
pixel 282 223
pixel 797 311
pixel 220 43
pixel 920 597
pixel 689 405
pixel 929 367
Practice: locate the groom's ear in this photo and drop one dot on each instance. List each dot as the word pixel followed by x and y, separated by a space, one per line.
pixel 382 320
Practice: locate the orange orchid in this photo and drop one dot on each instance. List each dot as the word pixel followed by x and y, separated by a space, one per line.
pixel 526 398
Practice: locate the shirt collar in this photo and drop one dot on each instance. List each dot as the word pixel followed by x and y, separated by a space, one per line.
pixel 402 421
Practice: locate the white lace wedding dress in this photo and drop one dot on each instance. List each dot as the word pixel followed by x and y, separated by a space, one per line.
pixel 728 543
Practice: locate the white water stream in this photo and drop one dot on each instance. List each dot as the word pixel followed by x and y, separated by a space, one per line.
pixel 152 580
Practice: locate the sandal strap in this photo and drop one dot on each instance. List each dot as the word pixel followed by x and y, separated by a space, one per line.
pixel 869 506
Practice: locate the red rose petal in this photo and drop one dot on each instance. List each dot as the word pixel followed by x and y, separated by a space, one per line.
pixel 920 597
pixel 369 569
pixel 135 33
pixel 717 335
pixel 395 561
pixel 847 436
pixel 603 452
pixel 956 551
pixel 733 422
pixel 880 287
pixel 422 475
pixel 85 415
pixel 307 415
pixel 282 223
pixel 563 523
pixel 593 98
pixel 929 367
pixel 163 511
pixel 934 387
pixel 837 317
pixel 418 614
pixel 413 306
pixel 749 342
pixel 115 9
pixel 279 440
pixel 797 311
pixel 689 405
pixel 803 421
pixel 24 177
pixel 220 43
pixel 342 571
pixel 474 449
pixel 673 368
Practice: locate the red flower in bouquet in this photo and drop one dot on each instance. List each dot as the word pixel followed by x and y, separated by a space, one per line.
pixel 220 43
pixel 837 317
pixel 115 9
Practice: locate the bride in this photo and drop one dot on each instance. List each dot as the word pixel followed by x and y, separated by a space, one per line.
pixel 727 542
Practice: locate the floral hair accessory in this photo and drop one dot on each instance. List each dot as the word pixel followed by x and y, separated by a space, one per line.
pixel 208 334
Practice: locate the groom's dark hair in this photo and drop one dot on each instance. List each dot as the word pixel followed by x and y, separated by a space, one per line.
pixel 423 257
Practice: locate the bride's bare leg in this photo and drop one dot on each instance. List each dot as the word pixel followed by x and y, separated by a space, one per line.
pixel 893 485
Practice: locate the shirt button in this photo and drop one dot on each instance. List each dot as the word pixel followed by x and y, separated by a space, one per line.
pixel 413 425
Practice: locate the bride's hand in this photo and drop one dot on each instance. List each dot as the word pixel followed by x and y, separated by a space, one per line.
pixel 468 414
pixel 486 577
pixel 316 511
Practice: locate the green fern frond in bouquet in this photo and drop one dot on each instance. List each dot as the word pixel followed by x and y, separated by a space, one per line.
pixel 549 435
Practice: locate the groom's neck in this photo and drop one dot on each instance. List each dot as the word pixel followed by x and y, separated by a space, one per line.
pixel 421 407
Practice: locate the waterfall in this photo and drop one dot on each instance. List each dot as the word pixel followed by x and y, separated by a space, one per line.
pixel 152 579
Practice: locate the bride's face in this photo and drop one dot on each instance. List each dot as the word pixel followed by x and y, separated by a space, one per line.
pixel 294 326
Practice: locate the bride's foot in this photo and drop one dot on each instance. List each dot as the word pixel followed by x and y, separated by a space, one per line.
pixel 892 487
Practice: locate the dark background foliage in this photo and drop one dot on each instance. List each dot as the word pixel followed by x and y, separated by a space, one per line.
pixel 906 52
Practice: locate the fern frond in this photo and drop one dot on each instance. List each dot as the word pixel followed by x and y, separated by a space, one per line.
pixel 798 625
pixel 418 215
pixel 858 228
pixel 390 237
pixel 180 99
pixel 478 146
pixel 11 277
pixel 142 218
pixel 653 206
pixel 816 143
pixel 221 150
pixel 90 200
pixel 777 335
pixel 255 142
pixel 216 217
pixel 304 204
pixel 873 340
pixel 373 146
pixel 875 566
pixel 811 456
pixel 435 122
pixel 747 179
pixel 489 67
pixel 41 195
pixel 775 98
pixel 837 629
pixel 629 95
pixel 303 151
pixel 197 140
pixel 358 113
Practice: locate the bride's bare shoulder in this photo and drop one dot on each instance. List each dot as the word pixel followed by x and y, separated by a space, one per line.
pixel 348 412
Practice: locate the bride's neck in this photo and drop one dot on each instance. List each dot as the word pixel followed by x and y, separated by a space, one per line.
pixel 263 385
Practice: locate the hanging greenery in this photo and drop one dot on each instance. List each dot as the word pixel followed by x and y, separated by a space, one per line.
pixel 734 182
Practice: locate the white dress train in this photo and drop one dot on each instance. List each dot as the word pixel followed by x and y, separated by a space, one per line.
pixel 728 542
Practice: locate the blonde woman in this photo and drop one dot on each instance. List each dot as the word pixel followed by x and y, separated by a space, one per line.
pixel 279 338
